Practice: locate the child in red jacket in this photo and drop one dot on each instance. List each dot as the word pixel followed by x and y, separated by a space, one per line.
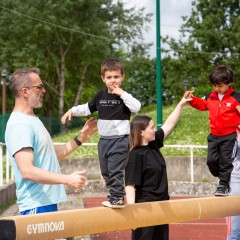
pixel 224 119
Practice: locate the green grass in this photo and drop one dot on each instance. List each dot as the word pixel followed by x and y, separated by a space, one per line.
pixel 83 151
pixel 192 129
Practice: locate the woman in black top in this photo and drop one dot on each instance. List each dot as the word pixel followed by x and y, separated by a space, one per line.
pixel 146 175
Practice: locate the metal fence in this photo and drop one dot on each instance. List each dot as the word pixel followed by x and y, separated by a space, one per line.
pixel 191 148
pixel 6 174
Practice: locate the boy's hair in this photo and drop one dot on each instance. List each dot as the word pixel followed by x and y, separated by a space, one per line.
pixel 112 64
pixel 139 123
pixel 221 74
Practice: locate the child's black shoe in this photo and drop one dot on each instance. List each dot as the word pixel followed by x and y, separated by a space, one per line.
pixel 222 190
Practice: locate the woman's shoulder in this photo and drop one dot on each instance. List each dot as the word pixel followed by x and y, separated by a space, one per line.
pixel 159 137
pixel 160 132
pixel 138 151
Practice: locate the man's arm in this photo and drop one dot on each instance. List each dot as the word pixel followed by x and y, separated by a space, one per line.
pixel 89 128
pixel 25 161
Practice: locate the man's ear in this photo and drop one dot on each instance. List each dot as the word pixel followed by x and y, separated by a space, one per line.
pixel 24 92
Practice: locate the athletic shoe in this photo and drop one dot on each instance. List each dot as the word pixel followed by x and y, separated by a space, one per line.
pixel 114 203
pixel 222 190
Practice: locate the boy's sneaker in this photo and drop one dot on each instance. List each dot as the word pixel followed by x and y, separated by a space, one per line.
pixel 114 203
pixel 222 190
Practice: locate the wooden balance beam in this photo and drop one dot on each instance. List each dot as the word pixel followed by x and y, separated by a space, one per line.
pixel 86 221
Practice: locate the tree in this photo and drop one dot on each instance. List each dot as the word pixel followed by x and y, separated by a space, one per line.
pixel 67 40
pixel 140 76
pixel 209 37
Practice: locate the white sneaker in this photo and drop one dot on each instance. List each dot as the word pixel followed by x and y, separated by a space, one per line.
pixel 114 203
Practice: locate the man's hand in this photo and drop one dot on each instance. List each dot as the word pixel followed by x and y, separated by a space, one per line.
pixel 67 115
pixel 89 128
pixel 77 179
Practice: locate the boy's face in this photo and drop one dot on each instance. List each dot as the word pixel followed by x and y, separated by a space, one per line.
pixel 221 88
pixel 112 78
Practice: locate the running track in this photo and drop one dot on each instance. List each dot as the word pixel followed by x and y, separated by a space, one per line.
pixel 212 229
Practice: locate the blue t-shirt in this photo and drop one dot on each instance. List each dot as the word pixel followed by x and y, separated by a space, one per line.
pixel 24 131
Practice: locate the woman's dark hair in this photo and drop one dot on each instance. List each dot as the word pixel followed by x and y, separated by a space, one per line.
pixel 139 123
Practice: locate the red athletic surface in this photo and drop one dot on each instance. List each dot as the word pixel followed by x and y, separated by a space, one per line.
pixel 212 229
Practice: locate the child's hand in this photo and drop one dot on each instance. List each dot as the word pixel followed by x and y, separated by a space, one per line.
pixel 67 115
pixel 238 108
pixel 187 97
pixel 117 90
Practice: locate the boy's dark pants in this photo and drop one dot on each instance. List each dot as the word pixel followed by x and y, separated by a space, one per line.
pixel 113 158
pixel 220 156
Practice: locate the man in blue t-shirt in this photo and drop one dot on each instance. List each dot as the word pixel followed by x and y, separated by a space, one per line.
pixel 39 182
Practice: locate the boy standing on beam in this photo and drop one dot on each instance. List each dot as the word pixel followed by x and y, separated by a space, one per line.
pixel 224 118
pixel 114 107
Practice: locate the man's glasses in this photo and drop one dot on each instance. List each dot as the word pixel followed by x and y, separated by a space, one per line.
pixel 39 87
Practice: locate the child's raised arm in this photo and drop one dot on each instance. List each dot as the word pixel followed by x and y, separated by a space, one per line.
pixel 67 115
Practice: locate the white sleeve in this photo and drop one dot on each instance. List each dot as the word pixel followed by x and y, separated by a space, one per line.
pixel 132 103
pixel 81 110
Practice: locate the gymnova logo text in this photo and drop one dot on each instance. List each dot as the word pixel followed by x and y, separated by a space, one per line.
pixel 45 227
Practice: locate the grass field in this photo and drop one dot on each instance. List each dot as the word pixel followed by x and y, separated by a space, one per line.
pixel 192 128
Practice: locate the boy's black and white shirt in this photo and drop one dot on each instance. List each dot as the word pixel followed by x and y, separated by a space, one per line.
pixel 114 112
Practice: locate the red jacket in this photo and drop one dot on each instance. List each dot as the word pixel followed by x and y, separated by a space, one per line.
pixel 223 115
